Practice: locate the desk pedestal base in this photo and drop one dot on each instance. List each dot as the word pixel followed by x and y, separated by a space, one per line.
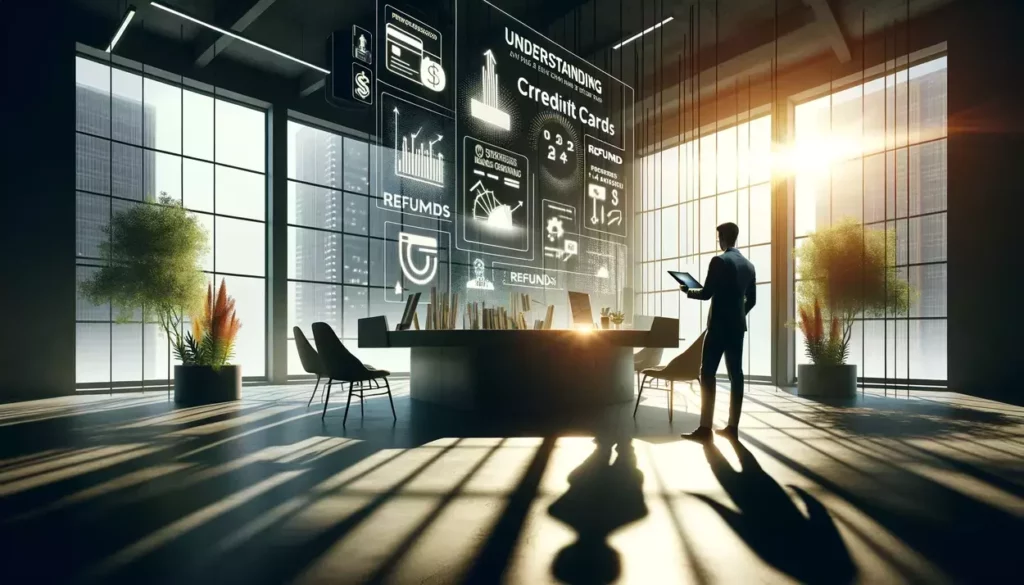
pixel 543 376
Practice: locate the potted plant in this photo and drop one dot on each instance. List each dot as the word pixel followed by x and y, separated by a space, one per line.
pixel 846 272
pixel 617 317
pixel 204 376
pixel 606 313
pixel 152 263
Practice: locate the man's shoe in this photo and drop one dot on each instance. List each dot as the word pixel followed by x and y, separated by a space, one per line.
pixel 701 435
pixel 730 432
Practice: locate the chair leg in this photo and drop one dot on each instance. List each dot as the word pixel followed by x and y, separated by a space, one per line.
pixel 639 393
pixel 671 399
pixel 328 399
pixel 362 411
pixel 314 392
pixel 388 386
pixel 347 403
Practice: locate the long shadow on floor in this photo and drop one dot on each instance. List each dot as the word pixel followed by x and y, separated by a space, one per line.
pixel 808 548
pixel 603 496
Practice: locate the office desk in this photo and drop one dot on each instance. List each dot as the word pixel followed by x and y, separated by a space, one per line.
pixel 504 371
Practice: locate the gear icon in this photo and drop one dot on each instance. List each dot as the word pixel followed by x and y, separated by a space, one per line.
pixel 555 229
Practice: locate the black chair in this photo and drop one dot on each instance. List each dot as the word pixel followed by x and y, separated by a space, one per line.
pixel 310 360
pixel 340 365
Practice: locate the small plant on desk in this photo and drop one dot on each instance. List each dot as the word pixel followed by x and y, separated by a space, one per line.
pixel 617 317
pixel 605 317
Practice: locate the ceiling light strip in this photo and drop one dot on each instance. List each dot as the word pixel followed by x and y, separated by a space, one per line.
pixel 236 36
pixel 128 16
pixel 642 33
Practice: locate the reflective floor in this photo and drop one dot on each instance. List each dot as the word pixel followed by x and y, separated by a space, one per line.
pixel 130 489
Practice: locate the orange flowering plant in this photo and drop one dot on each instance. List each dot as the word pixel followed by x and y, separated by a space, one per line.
pixel 847 272
pixel 212 338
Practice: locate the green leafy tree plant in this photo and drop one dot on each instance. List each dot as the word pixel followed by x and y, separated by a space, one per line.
pixel 152 262
pixel 846 272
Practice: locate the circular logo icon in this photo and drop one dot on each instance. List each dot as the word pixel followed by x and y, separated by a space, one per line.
pixel 431 74
pixel 479 150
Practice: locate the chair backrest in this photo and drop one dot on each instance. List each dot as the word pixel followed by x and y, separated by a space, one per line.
pixel 307 355
pixel 686 366
pixel 648 357
pixel 338 362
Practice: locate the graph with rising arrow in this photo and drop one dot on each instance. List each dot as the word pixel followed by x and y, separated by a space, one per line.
pixel 487 107
pixel 415 157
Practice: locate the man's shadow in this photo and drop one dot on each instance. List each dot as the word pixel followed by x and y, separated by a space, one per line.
pixel 808 548
pixel 603 496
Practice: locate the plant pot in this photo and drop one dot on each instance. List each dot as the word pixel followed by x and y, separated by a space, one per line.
pixel 197 385
pixel 827 381
pixel 605 323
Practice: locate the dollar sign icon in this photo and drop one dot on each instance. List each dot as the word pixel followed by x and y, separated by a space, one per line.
pixel 432 74
pixel 362 85
pixel 615 196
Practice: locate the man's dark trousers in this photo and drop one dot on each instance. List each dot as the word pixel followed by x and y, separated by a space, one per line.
pixel 716 344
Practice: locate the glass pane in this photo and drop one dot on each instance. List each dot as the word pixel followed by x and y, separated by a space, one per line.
pixel 92 352
pixel 92 97
pixel 126 107
pixel 928 107
pixel 126 349
pixel 206 221
pixel 669 176
pixel 708 165
pixel 357 213
pixel 726 210
pixel 251 307
pixel 198 185
pixel 875 188
pixel 727 160
pixel 198 122
pixel 128 173
pixel 761 258
pixel 240 193
pixel 92 164
pixel 708 223
pixel 847 190
pixel 669 233
pixel 761 149
pixel 155 352
pixel 928 172
pixel 240 134
pixel 760 333
pixel 357 166
pixel 314 255
pixel 312 206
pixel 356 260
pixel 85 310
pixel 163 176
pixel 928 350
pixel 760 214
pixel 310 303
pixel 377 263
pixel 930 282
pixel 314 156
pixel 92 214
pixel 240 246
pixel 163 116
pixel 356 307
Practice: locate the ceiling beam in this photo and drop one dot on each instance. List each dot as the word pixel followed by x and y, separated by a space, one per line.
pixel 829 24
pixel 311 82
pixel 221 42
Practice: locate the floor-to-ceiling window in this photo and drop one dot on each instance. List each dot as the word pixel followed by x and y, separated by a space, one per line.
pixel 688 191
pixel 139 137
pixel 876 152
pixel 330 242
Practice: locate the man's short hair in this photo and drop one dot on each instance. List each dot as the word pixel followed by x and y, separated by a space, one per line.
pixel 729 232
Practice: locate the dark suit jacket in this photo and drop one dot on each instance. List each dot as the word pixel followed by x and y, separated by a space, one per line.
pixel 730 285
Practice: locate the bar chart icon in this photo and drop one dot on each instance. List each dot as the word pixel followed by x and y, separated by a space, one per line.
pixel 487 107
pixel 415 157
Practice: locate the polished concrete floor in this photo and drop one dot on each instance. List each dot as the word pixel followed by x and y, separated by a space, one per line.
pixel 129 489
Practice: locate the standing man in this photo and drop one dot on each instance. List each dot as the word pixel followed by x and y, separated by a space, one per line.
pixel 731 288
